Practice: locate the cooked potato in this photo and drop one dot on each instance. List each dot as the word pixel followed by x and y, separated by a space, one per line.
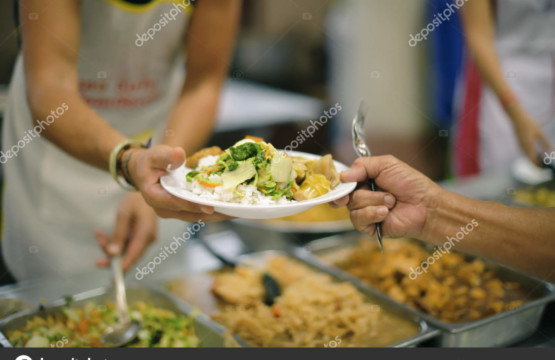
pixel 192 161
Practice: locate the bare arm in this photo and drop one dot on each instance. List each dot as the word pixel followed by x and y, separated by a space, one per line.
pixel 210 41
pixel 479 27
pixel 517 237
pixel 520 238
pixel 50 49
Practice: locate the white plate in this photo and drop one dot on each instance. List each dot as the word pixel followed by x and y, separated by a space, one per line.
pixel 524 171
pixel 174 183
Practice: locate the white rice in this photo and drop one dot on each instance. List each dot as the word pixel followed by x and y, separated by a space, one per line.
pixel 251 195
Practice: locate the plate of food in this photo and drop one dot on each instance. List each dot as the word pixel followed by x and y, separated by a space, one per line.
pixel 254 180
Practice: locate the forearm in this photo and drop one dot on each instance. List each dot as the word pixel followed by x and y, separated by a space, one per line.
pixel 209 45
pixel 193 117
pixel 79 131
pixel 517 237
pixel 50 57
pixel 480 38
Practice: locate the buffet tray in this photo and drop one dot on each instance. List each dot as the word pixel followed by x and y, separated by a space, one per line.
pixel 508 199
pixel 426 332
pixel 211 334
pixel 502 329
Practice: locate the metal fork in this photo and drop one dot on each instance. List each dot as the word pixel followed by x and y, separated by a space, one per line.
pixel 363 150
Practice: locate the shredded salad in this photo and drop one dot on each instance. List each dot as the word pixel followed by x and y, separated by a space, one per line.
pixel 84 327
pixel 253 163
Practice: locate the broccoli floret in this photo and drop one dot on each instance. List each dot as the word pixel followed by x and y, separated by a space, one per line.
pixel 232 165
pixel 245 151
pixel 259 160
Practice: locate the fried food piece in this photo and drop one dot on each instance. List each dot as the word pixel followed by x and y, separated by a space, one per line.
pixel 478 293
pixel 254 138
pixel 192 161
pixel 452 289
pixel 313 186
pixel 326 167
pixel 300 169
pixel 241 287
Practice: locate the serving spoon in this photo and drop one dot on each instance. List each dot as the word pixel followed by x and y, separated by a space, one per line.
pixel 362 150
pixel 125 330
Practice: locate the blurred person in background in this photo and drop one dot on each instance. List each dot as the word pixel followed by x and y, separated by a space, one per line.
pixel 512 46
pixel 409 204
pixel 91 76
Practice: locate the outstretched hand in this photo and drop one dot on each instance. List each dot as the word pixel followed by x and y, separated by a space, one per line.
pixel 403 204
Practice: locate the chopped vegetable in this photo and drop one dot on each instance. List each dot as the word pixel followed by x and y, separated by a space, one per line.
pixel 208 183
pixel 73 327
pixel 244 172
pixel 191 175
pixel 245 151
pixel 252 161
pixel 281 169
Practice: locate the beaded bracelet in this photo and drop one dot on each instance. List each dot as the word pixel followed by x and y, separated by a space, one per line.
pixel 113 165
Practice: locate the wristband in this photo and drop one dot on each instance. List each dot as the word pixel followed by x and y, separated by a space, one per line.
pixel 113 165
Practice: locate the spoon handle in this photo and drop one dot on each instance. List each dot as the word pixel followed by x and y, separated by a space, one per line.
pixel 372 185
pixel 121 298
pixel 224 260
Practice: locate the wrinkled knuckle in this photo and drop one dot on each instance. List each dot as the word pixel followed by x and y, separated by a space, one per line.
pixel 360 161
pixel 391 159
pixel 354 219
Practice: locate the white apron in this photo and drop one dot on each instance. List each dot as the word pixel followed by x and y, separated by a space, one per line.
pixel 526 47
pixel 52 202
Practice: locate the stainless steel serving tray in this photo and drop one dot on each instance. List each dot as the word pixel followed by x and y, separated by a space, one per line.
pixel 508 199
pixel 426 332
pixel 211 334
pixel 502 329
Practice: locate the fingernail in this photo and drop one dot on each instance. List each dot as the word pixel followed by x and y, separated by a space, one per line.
pixel 113 249
pixel 207 210
pixel 169 167
pixel 389 200
pixel 382 211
